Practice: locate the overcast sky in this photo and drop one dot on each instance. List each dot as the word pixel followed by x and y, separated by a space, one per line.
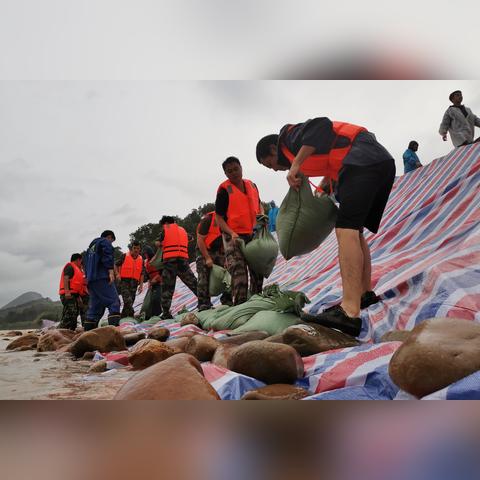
pixel 77 158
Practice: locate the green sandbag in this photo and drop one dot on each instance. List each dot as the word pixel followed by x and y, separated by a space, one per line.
pixel 219 280
pixel 262 251
pixel 304 221
pixel 127 320
pixel 103 323
pixel 269 321
pixel 156 261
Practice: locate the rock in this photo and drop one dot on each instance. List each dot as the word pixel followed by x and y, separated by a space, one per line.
pixel 147 352
pixel 13 333
pixel 187 334
pixel 308 339
pixel 278 391
pixel 278 338
pixel 395 336
pixel 223 353
pixel 103 339
pixel 242 338
pixel 36 359
pixel 438 352
pixel 180 377
pixel 202 347
pixel 54 339
pixel 266 361
pixel 97 367
pixel 190 319
pixel 178 344
pixel 88 356
pixel 29 341
pixel 159 333
pixel 133 338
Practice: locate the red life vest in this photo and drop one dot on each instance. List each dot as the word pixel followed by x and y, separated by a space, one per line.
pixel 327 164
pixel 153 273
pixel 131 267
pixel 243 208
pixel 213 231
pixel 175 242
pixel 76 283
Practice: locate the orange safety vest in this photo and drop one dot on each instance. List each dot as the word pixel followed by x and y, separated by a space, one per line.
pixel 175 242
pixel 131 267
pixel 213 231
pixel 243 208
pixel 327 164
pixel 77 282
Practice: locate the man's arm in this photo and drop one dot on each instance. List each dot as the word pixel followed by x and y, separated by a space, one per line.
pixel 118 265
pixel 301 156
pixel 107 259
pixel 476 120
pixel 203 249
pixel 224 227
pixel 66 286
pixel 445 125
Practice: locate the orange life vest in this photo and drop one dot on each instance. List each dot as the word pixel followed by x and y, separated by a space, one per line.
pixel 175 242
pixel 131 267
pixel 76 283
pixel 243 208
pixel 327 164
pixel 213 231
pixel 153 273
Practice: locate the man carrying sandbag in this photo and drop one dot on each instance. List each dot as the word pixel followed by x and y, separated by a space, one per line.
pixel 365 172
pixel 237 206
pixel 154 277
pixel 209 252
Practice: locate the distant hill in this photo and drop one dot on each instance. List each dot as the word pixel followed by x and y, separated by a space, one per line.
pixel 30 314
pixel 22 299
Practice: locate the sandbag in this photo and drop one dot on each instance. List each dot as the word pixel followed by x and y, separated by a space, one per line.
pixel 304 221
pixel 156 261
pixel 262 251
pixel 269 321
pixel 219 280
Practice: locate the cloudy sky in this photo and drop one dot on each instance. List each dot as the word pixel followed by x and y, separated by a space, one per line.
pixel 80 157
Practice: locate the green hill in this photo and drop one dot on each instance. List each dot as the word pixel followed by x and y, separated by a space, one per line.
pixel 29 314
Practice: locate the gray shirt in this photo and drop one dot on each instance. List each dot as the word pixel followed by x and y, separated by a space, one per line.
pixel 461 128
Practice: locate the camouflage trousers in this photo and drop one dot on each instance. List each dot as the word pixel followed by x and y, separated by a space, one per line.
pixel 203 274
pixel 172 268
pixel 238 269
pixel 70 312
pixel 83 307
pixel 128 291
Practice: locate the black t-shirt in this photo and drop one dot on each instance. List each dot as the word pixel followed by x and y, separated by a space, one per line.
pixel 463 109
pixel 204 227
pixel 68 271
pixel 319 133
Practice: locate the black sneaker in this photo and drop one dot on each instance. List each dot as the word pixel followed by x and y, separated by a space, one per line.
pixel 167 316
pixel 368 298
pixel 336 318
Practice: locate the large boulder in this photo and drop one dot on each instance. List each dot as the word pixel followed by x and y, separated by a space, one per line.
pixel 277 391
pixel 103 339
pixel 180 377
pixel 159 333
pixel 133 338
pixel 266 361
pixel 223 353
pixel 147 352
pixel 241 338
pixel 98 367
pixel 52 340
pixel 312 339
pixel 28 341
pixel 202 347
pixel 178 344
pixel 395 336
pixel 438 352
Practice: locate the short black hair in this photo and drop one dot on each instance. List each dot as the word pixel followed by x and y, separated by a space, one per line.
pixel 263 146
pixel 453 93
pixel 166 219
pixel 75 256
pixel 230 160
pixel 107 233
pixel 135 243
pixel 412 143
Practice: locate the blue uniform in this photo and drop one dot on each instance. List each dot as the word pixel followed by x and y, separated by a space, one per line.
pixel 410 160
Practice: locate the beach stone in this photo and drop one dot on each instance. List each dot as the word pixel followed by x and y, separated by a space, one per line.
pixel 242 338
pixel 180 377
pixel 13 333
pixel 187 334
pixel 147 352
pixel 127 330
pixel 202 347
pixel 178 344
pixel 159 333
pixel 278 338
pixel 54 339
pixel 438 352
pixel 190 319
pixel 88 356
pixel 133 338
pixel 223 353
pixel 97 367
pixel 308 340
pixel 103 339
pixel 395 336
pixel 29 341
pixel 266 361
pixel 278 391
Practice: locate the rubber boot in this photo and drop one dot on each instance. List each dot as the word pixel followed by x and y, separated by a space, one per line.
pixel 114 319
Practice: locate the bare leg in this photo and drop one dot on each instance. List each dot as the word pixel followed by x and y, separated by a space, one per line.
pixel 367 265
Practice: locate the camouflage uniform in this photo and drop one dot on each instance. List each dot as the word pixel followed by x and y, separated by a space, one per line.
pixel 203 274
pixel 83 307
pixel 172 268
pixel 70 312
pixel 128 291
pixel 238 269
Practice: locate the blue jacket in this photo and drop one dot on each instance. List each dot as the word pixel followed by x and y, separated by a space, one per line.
pixel 410 160
pixel 99 259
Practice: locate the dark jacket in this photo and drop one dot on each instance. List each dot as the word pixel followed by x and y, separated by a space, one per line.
pixel 99 259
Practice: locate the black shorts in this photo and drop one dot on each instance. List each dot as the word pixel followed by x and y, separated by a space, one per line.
pixel 363 194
